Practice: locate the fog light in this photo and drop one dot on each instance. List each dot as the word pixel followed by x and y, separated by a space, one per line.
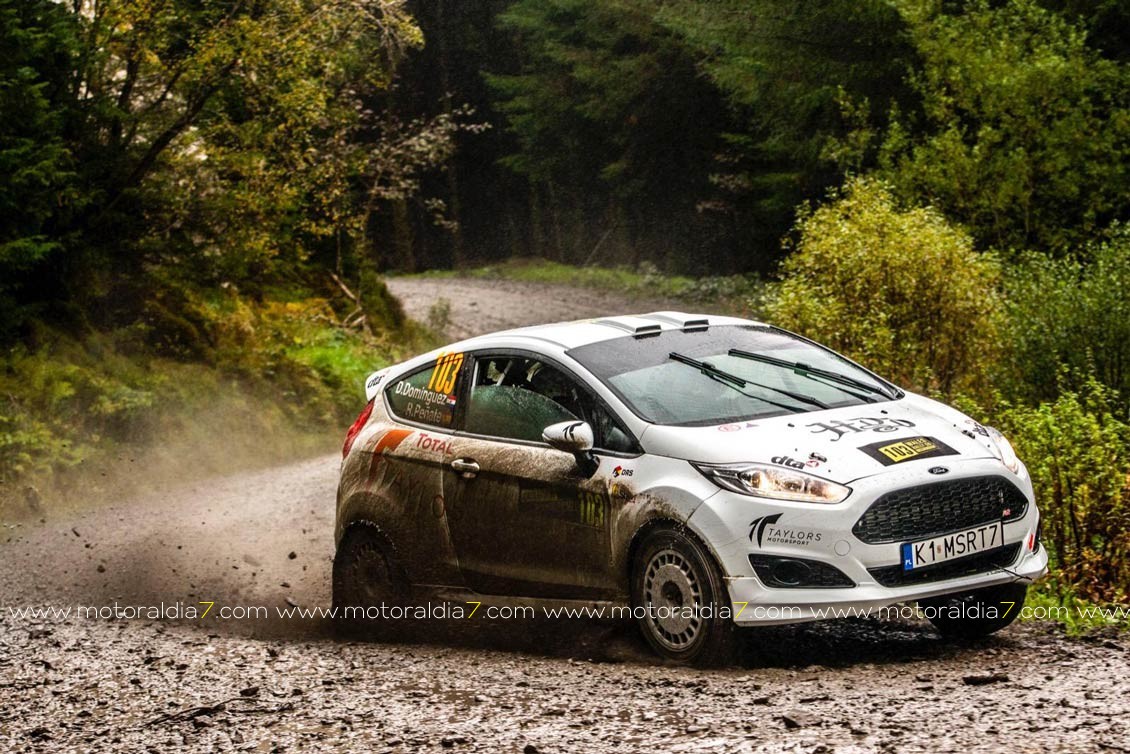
pixel 798 573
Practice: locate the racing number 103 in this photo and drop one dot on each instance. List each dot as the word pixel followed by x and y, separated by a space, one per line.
pixel 592 508
pixel 445 372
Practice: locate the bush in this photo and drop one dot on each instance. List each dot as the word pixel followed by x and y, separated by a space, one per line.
pixel 1072 313
pixel 1078 453
pixel 897 288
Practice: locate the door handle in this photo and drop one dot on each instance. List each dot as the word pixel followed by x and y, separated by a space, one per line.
pixel 466 467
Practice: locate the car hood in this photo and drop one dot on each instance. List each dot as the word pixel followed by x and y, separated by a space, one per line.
pixel 842 444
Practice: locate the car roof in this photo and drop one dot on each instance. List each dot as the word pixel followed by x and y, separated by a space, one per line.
pixel 582 332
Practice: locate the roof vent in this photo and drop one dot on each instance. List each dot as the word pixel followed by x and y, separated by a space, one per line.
pixel 680 320
pixel 632 325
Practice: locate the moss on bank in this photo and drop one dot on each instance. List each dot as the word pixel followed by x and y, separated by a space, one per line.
pixel 257 382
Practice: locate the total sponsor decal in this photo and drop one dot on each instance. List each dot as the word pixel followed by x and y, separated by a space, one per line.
pixel 766 531
pixel 859 424
pixel 440 445
pixel 890 453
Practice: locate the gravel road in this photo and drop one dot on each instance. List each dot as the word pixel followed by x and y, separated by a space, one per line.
pixel 264 538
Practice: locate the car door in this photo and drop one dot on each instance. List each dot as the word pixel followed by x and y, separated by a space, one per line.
pixel 524 518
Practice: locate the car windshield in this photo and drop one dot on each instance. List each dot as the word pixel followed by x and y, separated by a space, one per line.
pixel 725 374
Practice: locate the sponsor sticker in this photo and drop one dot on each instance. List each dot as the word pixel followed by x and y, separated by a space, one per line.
pixel 445 372
pixel 736 427
pixel 766 531
pixel 907 449
pixel 859 424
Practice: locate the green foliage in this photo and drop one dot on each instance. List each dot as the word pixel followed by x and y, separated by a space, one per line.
pixel 1078 453
pixel 36 169
pixel 899 289
pixel 788 69
pixel 207 142
pixel 1074 313
pixel 272 369
pixel 1051 599
pixel 1024 127
pixel 611 122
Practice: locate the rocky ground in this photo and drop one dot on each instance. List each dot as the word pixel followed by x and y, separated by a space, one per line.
pixel 265 538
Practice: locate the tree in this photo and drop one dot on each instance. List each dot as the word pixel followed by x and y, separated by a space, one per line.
pixel 799 77
pixel 196 142
pixel 37 42
pixel 1024 127
pixel 614 128
pixel 899 289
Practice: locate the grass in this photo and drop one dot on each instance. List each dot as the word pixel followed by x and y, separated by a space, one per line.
pixel 104 414
pixel 734 291
pixel 1049 601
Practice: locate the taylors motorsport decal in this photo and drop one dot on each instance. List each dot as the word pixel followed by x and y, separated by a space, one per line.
pixel 890 453
pixel 766 532
pixel 860 424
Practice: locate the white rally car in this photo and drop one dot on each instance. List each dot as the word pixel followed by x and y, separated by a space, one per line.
pixel 700 473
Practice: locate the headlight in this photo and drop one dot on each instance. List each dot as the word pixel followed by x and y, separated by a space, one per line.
pixel 1008 455
pixel 760 480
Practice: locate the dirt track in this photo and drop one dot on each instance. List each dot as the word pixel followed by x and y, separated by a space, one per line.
pixel 264 537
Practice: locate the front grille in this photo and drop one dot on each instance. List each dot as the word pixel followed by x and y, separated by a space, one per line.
pixel 894 575
pixel 798 573
pixel 939 508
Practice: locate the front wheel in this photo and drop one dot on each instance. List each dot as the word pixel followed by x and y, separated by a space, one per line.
pixel 680 601
pixel 976 613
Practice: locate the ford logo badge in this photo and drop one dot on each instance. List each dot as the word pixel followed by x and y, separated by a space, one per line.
pixel 938 470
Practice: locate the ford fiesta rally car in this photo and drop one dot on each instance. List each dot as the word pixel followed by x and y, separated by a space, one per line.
pixel 707 473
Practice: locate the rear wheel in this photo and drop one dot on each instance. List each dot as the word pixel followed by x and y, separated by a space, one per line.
pixel 976 613
pixel 365 577
pixel 678 594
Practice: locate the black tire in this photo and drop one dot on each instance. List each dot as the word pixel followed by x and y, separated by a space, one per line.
pixel 366 575
pixel 976 613
pixel 672 570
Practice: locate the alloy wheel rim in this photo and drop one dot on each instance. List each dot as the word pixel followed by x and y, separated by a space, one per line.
pixel 672 595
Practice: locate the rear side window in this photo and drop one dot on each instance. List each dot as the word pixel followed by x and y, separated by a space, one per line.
pixel 428 396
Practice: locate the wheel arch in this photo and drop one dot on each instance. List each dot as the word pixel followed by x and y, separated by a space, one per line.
pixel 657 523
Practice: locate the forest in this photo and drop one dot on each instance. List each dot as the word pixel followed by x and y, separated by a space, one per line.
pixel 199 200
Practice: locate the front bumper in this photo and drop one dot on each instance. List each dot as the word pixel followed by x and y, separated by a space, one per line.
pixel 734 527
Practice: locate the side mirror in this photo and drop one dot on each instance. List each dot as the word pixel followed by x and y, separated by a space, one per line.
pixel 572 437
pixel 576 438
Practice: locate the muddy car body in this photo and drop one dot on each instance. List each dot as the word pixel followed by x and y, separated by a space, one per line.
pixel 707 472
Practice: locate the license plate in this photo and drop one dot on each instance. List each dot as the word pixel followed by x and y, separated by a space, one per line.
pixel 952 546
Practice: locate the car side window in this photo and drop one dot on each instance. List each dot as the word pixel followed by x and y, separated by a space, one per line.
pixel 505 400
pixel 428 396
pixel 517 397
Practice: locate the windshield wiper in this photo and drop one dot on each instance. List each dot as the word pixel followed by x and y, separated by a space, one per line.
pixel 808 371
pixel 738 382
